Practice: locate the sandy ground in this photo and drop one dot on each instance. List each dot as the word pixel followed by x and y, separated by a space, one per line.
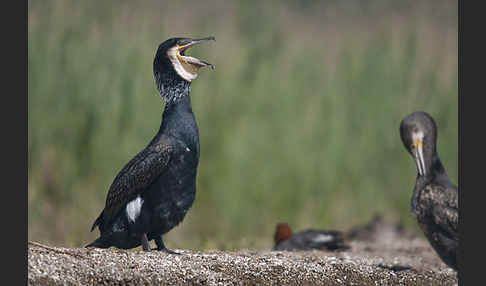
pixel 397 261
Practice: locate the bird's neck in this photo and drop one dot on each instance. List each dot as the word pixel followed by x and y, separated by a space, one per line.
pixel 434 170
pixel 173 89
pixel 437 168
pixel 178 119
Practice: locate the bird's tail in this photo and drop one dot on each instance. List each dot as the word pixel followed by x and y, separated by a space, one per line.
pixel 100 242
pixel 98 221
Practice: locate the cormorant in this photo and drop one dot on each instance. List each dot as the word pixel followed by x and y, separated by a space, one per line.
pixel 155 189
pixel 434 200
pixel 308 239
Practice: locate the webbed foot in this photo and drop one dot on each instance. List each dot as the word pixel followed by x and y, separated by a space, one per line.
pixel 161 247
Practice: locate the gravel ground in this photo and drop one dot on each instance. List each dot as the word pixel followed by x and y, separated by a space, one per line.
pixel 401 261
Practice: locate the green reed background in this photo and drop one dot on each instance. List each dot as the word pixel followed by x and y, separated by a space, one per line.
pixel 298 123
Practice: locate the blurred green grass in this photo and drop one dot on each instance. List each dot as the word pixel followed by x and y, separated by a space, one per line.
pixel 298 123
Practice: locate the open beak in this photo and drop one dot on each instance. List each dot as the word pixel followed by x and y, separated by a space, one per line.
pixel 418 155
pixel 192 64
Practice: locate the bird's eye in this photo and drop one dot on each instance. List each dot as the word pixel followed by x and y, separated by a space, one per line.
pixel 182 42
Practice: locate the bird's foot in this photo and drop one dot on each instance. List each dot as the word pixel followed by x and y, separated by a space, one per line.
pixel 168 251
pixel 161 246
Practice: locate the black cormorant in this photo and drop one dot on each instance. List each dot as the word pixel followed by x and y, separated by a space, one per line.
pixel 155 189
pixel 434 201
pixel 307 240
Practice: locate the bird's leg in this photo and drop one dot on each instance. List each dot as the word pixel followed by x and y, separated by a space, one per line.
pixel 145 243
pixel 161 246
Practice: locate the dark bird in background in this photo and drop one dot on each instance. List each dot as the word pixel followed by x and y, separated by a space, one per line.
pixel 376 230
pixel 308 240
pixel 155 189
pixel 434 200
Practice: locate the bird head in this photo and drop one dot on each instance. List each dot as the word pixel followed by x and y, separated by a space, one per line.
pixel 419 135
pixel 282 233
pixel 171 59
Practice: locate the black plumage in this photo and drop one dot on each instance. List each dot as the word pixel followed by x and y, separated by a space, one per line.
pixel 154 190
pixel 435 199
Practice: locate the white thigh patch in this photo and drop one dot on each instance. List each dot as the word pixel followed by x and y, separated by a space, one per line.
pixel 133 208
pixel 323 238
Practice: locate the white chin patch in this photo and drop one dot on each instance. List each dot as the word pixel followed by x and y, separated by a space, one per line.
pixel 133 209
pixel 172 53
pixel 416 136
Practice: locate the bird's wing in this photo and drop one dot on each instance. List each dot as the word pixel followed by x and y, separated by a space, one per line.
pixel 445 211
pixel 138 174
pixel 324 239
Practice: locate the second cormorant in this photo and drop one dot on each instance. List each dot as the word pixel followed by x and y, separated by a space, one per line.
pixel 155 189
pixel 434 200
